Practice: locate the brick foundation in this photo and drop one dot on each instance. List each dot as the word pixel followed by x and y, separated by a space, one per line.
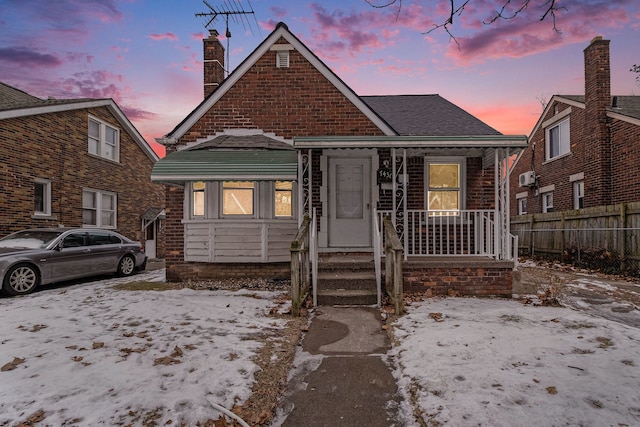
pixel 463 278
pixel 182 272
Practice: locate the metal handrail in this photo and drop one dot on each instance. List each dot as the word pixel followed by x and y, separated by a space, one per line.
pixel 377 256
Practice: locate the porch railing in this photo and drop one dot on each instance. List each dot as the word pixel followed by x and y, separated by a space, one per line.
pixel 393 264
pixel 377 255
pixel 452 233
pixel 302 254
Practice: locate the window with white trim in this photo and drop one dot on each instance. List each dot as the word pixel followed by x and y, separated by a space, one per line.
pixel 557 140
pixel 198 199
pixel 283 192
pixel 547 202
pixel 104 140
pixel 42 197
pixel 238 198
pixel 522 206
pixel 99 209
pixel 444 186
pixel 578 194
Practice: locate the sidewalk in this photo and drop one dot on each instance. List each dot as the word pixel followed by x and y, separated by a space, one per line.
pixel 352 386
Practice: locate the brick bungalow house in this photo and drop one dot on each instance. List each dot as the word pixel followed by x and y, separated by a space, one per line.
pixel 283 137
pixel 75 163
pixel 584 151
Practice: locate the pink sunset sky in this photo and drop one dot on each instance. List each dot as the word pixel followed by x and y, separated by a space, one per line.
pixel 147 54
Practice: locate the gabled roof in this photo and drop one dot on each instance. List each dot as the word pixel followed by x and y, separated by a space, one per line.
pixel 628 106
pixel 281 31
pixel 432 115
pixel 16 103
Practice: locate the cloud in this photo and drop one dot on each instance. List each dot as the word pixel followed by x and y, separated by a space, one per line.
pixel 24 57
pixel 278 12
pixel 526 35
pixel 166 36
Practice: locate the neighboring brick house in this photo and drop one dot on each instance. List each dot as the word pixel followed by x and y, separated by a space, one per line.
pixel 584 151
pixel 283 137
pixel 75 162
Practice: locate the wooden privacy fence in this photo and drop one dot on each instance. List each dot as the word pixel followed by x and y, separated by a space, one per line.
pixel 606 238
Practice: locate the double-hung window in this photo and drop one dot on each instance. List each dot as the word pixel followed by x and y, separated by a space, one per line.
pixel 283 199
pixel 42 197
pixel 99 209
pixel 578 194
pixel 104 140
pixel 557 140
pixel 198 199
pixel 238 198
pixel 444 186
pixel 547 202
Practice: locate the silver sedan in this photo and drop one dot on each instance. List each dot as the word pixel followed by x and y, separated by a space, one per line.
pixel 30 258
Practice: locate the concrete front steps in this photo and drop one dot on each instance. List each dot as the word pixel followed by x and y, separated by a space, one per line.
pixel 346 279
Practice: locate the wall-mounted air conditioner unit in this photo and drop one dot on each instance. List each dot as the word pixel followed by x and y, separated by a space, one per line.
pixel 527 179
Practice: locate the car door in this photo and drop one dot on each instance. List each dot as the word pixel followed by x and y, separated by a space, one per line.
pixel 105 249
pixel 72 259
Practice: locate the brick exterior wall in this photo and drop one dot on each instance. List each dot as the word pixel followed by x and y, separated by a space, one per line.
pixel 293 101
pixel 458 278
pixel 605 149
pixel 54 146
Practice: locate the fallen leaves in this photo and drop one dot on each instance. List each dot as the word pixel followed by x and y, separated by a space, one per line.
pixel 34 328
pixel 438 317
pixel 12 365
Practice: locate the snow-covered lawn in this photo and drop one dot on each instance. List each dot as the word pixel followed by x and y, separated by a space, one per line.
pixel 485 362
pixel 91 355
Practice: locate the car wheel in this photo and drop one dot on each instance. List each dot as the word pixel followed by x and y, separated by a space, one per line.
pixel 21 279
pixel 126 266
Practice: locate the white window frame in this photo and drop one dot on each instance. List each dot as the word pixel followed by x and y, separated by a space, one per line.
pixel 275 196
pixel 255 200
pixel 461 189
pixel 192 203
pixel 99 210
pixel 46 197
pixel 547 202
pixel 564 138
pixel 101 142
pixel 522 206
pixel 578 194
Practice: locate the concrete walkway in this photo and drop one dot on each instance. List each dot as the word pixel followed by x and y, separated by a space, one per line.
pixel 352 386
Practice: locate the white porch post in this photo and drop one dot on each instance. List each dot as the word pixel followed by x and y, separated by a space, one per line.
pixel 305 199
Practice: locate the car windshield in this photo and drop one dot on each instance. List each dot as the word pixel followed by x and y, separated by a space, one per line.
pixel 31 239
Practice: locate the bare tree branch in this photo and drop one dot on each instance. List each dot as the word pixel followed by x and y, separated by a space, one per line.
pixel 506 12
pixel 389 3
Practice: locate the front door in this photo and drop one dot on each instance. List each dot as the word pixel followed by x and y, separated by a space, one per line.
pixel 349 202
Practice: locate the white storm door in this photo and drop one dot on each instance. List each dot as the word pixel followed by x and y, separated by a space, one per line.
pixel 349 202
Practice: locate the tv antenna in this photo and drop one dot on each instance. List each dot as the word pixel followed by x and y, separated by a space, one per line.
pixel 230 9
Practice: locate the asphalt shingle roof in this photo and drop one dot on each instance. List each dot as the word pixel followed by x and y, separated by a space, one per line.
pixel 625 105
pixel 15 99
pixel 429 115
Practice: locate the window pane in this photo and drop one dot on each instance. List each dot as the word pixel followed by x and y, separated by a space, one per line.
pixel 39 197
pixel 198 203
pixel 554 142
pixel 284 198
pixel 107 202
pixel 444 176
pixel 88 199
pixel 94 129
pixel 108 218
pixel 88 217
pixel 349 191
pixel 443 200
pixel 237 198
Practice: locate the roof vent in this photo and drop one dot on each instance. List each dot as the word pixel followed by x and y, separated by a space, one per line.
pixel 282 59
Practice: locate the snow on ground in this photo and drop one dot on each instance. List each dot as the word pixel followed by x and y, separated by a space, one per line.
pixel 491 362
pixel 88 355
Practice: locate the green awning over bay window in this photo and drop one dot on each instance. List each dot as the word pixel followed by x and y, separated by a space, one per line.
pixel 214 165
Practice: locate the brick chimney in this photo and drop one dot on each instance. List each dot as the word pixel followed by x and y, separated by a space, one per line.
pixel 597 99
pixel 213 62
